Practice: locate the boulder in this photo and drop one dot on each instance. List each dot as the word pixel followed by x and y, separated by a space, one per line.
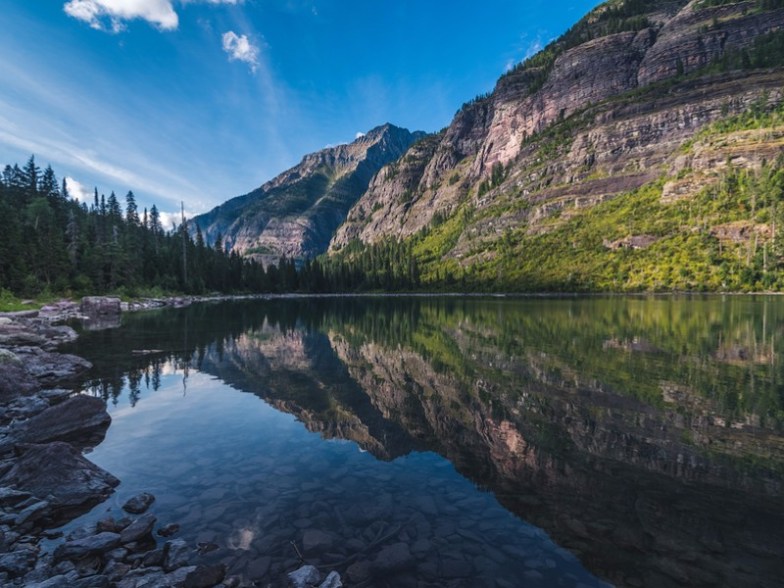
pixel 59 471
pixel 177 554
pixel 141 527
pixel 332 581
pixel 94 306
pixel 304 577
pixel 75 419
pixel 51 369
pixel 205 576
pixel 80 548
pixel 15 379
pixel 139 504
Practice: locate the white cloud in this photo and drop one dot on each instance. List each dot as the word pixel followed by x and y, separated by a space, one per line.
pixel 97 13
pixel 111 15
pixel 170 220
pixel 240 48
pixel 78 190
pixel 359 135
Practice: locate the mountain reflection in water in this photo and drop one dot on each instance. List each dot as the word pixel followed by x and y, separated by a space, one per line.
pixel 642 434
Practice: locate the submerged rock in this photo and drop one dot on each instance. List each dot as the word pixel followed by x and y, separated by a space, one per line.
pixel 139 503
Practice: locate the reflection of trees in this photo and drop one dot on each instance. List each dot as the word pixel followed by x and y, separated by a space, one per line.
pixel 622 426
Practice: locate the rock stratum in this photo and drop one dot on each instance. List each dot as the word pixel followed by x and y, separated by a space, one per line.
pixel 646 106
pixel 295 214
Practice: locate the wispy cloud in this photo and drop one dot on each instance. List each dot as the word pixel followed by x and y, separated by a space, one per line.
pixel 240 48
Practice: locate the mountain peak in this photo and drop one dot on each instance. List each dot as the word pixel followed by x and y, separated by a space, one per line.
pixel 296 213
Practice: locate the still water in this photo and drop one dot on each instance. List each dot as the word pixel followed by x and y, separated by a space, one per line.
pixel 481 442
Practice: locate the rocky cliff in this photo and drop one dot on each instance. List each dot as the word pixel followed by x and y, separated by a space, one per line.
pixel 296 213
pixel 606 110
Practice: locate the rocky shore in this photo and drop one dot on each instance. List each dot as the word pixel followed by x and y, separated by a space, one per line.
pixel 45 480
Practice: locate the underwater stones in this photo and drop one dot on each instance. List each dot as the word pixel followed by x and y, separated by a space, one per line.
pixel 316 541
pixel 392 559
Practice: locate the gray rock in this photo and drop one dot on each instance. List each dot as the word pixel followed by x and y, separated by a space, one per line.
pixel 95 306
pixel 304 577
pixel 332 581
pixel 74 419
pixel 153 558
pixel 139 503
pixel 51 369
pixel 393 558
pixel 17 563
pixel 11 497
pixel 32 513
pixel 176 555
pixel 15 380
pixel 79 548
pixel 60 471
pixel 141 527
pixel 205 576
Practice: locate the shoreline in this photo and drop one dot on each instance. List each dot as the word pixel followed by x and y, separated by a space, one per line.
pixel 46 426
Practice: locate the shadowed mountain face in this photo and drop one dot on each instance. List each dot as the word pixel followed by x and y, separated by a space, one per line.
pixel 296 213
pixel 646 435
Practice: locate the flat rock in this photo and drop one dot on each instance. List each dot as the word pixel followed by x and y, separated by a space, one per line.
pixel 304 577
pixel 139 503
pixel 51 369
pixel 139 528
pixel 91 545
pixel 60 471
pixel 77 418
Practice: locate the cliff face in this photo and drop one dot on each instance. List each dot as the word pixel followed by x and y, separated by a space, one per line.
pixel 296 213
pixel 603 111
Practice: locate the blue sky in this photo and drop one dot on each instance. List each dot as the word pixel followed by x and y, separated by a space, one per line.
pixel 203 100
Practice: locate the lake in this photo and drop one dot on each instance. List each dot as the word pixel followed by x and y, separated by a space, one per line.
pixel 457 441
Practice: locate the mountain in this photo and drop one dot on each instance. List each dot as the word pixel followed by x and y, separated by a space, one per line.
pixel 296 213
pixel 640 151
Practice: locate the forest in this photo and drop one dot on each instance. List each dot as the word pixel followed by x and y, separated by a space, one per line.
pixel 51 244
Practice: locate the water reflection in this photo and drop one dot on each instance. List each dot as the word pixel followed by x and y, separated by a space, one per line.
pixel 645 435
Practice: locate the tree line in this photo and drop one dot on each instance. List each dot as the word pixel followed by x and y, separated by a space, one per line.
pixel 52 243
